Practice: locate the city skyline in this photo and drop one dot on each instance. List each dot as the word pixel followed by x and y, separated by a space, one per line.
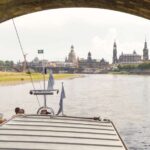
pixel 80 58
pixel 101 57
pixel 87 29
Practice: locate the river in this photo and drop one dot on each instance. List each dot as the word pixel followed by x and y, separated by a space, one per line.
pixel 124 99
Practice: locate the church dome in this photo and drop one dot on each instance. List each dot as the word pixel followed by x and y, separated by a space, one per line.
pixel 72 56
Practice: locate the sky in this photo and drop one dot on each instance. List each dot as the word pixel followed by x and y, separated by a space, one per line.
pixel 87 29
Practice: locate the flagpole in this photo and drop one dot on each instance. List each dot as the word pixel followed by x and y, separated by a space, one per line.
pixel 62 103
pixel 45 105
pixel 43 66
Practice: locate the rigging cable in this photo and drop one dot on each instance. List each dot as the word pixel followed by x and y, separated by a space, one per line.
pixel 24 58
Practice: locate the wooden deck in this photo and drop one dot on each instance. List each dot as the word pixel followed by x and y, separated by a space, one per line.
pixel 34 132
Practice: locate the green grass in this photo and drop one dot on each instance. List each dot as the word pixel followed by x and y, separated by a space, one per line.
pixel 13 77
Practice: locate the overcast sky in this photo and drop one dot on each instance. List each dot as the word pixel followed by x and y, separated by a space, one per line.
pixel 87 29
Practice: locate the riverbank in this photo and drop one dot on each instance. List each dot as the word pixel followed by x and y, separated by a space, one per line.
pixel 131 72
pixel 16 78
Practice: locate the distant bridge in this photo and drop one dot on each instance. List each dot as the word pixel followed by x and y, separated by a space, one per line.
pixel 63 69
pixel 40 69
pixel 56 69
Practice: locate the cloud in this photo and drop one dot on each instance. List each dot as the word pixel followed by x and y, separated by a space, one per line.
pixel 102 46
pixel 87 29
pixel 129 47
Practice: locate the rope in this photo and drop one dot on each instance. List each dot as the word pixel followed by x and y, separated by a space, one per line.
pixel 24 58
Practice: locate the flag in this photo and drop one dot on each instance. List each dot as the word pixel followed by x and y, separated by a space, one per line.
pixel 50 81
pixel 41 51
pixel 62 96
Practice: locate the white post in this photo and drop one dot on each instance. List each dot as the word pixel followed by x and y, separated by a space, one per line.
pixel 62 103
pixel 45 105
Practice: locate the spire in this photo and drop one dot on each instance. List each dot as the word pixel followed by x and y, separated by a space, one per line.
pixel 145 51
pixel 115 53
pixel 115 45
pixel 72 48
pixel 145 44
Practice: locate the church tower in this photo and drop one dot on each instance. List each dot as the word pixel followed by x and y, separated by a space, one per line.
pixel 115 53
pixel 89 58
pixel 72 56
pixel 145 52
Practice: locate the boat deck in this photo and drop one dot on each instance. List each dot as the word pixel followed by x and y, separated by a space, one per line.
pixel 35 132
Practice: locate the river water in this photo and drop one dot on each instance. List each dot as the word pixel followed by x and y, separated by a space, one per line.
pixel 124 99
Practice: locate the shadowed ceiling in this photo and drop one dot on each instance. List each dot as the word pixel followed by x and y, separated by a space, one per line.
pixel 13 8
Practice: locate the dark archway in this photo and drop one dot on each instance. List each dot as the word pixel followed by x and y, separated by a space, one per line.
pixel 13 8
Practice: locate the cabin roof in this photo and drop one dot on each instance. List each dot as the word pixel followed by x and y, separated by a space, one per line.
pixel 59 133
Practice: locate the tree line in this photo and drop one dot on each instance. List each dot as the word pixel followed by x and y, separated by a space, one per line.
pixel 8 64
pixel 142 66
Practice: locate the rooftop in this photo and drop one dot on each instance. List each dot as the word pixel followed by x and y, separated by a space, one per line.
pixel 59 133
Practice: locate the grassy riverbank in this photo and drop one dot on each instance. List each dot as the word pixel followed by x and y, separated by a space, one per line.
pixel 14 78
pixel 131 72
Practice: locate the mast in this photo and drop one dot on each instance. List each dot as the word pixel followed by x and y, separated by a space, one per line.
pixel 44 92
pixel 43 72
pixel 25 62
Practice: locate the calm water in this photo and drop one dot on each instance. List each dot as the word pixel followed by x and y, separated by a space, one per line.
pixel 125 99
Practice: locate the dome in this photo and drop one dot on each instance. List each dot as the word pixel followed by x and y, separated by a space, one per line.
pixel 72 56
pixel 89 53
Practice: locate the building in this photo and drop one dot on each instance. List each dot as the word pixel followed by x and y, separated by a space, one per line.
pixel 82 63
pixel 71 56
pixel 115 60
pixel 129 58
pixel 103 64
pixel 145 52
pixel 89 62
pixel 92 63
